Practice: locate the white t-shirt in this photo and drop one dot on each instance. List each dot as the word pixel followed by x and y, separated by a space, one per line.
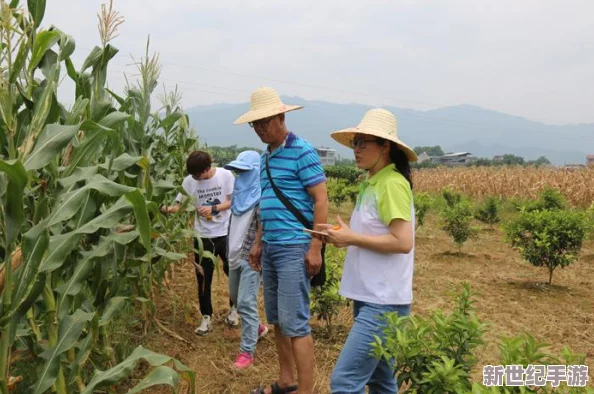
pixel 213 191
pixel 373 277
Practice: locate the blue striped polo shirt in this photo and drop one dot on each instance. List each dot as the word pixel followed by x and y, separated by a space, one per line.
pixel 294 166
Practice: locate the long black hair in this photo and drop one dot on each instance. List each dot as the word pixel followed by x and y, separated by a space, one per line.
pixel 400 160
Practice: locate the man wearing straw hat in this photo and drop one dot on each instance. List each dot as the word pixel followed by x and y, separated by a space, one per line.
pixel 287 256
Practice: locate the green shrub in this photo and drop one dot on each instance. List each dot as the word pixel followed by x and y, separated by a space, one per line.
pixel 550 199
pixel 548 239
pixel 457 223
pixel 488 212
pixel 351 174
pixel 326 302
pixel 422 202
pixel 435 354
pixel 451 197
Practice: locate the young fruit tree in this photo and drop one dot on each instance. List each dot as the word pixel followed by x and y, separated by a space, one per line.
pixel 435 354
pixel 457 223
pixel 488 212
pixel 422 206
pixel 548 239
pixel 326 301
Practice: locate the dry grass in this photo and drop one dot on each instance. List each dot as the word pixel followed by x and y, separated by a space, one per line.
pixel 510 182
pixel 510 297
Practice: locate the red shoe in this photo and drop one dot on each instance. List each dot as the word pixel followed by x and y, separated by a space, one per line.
pixel 262 330
pixel 243 360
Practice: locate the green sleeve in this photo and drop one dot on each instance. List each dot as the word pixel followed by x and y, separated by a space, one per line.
pixel 394 200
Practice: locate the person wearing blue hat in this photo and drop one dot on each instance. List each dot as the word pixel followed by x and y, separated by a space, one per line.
pixel 244 224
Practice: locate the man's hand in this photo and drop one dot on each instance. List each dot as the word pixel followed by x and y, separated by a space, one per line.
pixel 205 210
pixel 255 257
pixel 313 258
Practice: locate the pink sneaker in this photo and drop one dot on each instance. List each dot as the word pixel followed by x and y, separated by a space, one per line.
pixel 262 330
pixel 243 360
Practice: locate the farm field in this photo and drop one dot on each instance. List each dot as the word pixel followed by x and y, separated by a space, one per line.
pixel 510 182
pixel 509 297
pixel 97 293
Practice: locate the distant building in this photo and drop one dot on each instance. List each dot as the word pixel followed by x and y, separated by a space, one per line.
pixel 590 160
pixel 327 156
pixel 498 159
pixel 454 159
pixel 423 156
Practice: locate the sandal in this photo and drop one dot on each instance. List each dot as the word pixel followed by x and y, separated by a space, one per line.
pixel 275 389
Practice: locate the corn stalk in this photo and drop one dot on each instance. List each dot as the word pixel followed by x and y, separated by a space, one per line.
pixel 73 179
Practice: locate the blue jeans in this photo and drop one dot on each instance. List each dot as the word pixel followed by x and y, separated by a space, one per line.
pixel 356 366
pixel 243 291
pixel 286 288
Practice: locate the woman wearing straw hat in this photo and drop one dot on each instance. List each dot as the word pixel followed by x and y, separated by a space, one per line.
pixel 287 256
pixel 378 269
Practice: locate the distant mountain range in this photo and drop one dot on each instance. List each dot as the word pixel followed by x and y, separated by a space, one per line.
pixel 462 128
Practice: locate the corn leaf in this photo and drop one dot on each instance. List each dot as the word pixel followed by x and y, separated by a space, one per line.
pixel 13 206
pixel 124 369
pixel 81 173
pixel 37 10
pixel 43 42
pixel 143 222
pixel 70 329
pixel 122 162
pixel 89 148
pixel 114 119
pixel 114 305
pixel 157 377
pixel 68 205
pixel 50 143
pixel 93 59
pixel 19 61
pixel 67 46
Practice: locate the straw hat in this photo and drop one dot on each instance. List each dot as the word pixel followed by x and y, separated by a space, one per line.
pixel 265 102
pixel 379 123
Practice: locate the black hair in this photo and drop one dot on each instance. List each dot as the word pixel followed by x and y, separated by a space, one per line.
pixel 198 162
pixel 399 159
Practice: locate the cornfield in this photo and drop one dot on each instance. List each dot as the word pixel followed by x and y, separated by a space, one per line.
pixel 510 182
pixel 82 239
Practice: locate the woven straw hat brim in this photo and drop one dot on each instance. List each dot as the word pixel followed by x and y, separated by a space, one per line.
pixel 345 136
pixel 262 113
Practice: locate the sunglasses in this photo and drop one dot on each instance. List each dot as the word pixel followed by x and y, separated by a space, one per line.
pixel 360 142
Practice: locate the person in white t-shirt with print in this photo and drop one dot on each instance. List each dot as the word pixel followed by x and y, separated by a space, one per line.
pixel 378 269
pixel 210 189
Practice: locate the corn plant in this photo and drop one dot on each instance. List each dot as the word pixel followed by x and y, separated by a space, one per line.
pixel 81 234
pixel 510 182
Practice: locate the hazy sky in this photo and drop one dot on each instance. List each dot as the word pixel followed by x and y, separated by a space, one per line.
pixel 532 58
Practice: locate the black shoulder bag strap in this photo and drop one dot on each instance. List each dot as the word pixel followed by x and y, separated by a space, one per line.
pixel 320 278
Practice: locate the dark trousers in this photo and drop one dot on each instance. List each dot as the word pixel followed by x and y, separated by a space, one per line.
pixel 218 247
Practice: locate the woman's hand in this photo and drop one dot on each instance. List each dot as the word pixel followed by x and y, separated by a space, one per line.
pixel 341 235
